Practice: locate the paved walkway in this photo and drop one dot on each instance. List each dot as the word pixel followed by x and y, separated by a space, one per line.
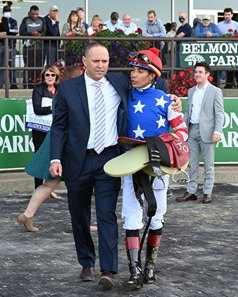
pixel 198 255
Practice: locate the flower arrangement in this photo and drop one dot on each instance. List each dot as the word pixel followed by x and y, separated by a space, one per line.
pixel 118 49
pixel 180 83
pixel 230 34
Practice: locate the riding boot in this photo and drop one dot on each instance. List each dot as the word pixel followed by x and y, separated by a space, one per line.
pixel 133 254
pixel 153 243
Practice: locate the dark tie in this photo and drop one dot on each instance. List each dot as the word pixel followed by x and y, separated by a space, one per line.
pixel 99 141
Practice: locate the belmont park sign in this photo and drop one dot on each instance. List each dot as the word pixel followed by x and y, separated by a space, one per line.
pixel 215 53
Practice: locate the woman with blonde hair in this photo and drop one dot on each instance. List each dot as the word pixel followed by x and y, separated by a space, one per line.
pixel 96 25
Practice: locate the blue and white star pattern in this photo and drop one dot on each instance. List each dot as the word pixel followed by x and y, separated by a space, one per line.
pixel 138 132
pixel 148 113
pixel 161 101
pixel 139 107
pixel 161 122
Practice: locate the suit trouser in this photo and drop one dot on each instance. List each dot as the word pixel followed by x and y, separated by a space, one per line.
pixel 197 148
pixel 106 188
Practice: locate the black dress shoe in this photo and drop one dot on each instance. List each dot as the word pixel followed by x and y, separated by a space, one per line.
pixel 207 198
pixel 86 275
pixel 106 280
pixel 186 197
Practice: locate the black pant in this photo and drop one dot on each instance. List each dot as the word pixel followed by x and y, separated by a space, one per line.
pixel 38 138
pixel 106 188
pixel 32 58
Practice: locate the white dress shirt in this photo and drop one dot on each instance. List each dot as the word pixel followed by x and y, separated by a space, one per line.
pixel 128 30
pixel 112 101
pixel 197 103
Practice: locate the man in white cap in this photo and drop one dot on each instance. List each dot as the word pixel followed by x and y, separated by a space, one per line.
pixel 52 29
pixel 206 28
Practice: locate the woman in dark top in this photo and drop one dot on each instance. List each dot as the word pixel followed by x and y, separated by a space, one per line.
pixel 50 76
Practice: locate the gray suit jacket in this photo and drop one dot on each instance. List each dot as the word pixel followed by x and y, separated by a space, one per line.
pixel 211 114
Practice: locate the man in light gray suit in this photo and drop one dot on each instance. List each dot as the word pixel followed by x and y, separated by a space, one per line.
pixel 204 117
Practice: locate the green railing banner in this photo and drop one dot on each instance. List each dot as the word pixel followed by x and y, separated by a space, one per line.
pixel 16 146
pixel 215 53
pixel 226 150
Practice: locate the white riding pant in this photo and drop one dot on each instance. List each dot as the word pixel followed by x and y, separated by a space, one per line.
pixel 132 213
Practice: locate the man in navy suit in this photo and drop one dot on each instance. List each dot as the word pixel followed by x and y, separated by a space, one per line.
pixel 73 155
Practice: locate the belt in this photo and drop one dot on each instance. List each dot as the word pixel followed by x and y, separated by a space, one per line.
pixel 92 152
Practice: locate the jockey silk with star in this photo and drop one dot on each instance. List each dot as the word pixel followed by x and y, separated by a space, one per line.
pixel 150 114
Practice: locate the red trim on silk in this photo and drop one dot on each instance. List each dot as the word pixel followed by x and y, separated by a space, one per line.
pixel 154 240
pixel 132 243
pixel 178 125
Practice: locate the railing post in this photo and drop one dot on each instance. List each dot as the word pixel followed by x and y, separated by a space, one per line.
pixel 6 70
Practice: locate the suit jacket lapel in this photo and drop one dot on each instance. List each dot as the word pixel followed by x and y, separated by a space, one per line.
pixel 205 97
pixel 81 88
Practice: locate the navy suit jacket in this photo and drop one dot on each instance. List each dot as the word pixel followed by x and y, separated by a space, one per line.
pixel 71 124
pixel 162 85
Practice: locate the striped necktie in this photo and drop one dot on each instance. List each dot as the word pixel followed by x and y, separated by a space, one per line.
pixel 99 140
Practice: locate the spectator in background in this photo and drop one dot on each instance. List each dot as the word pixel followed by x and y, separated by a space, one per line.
pixel 33 25
pixel 96 25
pixel 154 27
pixel 71 27
pixel 4 30
pixel 185 30
pixel 82 25
pixel 127 26
pixel 229 26
pixel 206 28
pixel 204 117
pixel 13 31
pixel 52 29
pixel 195 22
pixel 114 23
pixel 48 87
pixel 171 33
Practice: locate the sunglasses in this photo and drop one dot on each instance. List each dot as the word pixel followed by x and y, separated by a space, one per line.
pixel 139 57
pixel 142 58
pixel 50 74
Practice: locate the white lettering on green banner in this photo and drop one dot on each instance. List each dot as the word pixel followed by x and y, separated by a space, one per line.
pixel 215 53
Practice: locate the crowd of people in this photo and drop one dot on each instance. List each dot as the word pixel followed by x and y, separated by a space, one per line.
pixel 36 52
pixel 91 110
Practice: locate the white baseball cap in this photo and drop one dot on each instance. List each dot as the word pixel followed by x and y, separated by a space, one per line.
pixel 54 8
